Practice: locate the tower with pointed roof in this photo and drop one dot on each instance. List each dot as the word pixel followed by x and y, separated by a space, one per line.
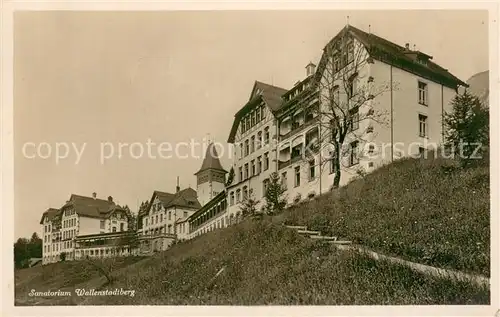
pixel 211 176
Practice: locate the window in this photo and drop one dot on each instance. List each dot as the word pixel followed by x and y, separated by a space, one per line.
pixel 247 147
pixel 284 180
pixel 297 176
pixel 350 51
pixel 241 173
pixel 259 140
pixel 241 150
pixel 353 155
pixel 146 222
pixel 336 63
pixel 421 151
pixel 185 214
pixel 253 119
pixel 262 112
pixel 422 125
pixel 312 170
pixel 354 119
pixel 422 93
pixel 266 135
pixel 231 198
pixel 265 185
pixel 161 217
pixel 266 161
pixel 102 224
pixel 122 226
pixel 169 215
pixel 259 164
pixel 169 229
pixel 252 144
pixel 156 219
pixel 245 192
pixel 238 195
pixel 246 170
pixel 257 114
pixel 114 229
pixel 253 168
pixel 371 149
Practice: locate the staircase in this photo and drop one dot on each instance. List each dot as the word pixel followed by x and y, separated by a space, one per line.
pixel 316 235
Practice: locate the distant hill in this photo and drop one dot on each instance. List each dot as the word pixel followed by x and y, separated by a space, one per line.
pixel 479 85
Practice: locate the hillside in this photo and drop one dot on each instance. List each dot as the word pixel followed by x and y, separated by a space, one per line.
pixel 423 210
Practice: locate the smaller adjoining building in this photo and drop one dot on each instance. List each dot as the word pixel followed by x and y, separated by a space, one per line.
pixel 68 231
pixel 164 220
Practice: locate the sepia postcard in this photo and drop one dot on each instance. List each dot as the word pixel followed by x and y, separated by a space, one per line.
pixel 212 159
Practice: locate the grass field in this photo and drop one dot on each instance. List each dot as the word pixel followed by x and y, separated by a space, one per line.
pixel 427 211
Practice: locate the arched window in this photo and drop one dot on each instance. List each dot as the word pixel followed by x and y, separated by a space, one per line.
pixel 231 198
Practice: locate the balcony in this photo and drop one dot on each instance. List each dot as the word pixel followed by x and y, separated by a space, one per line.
pixel 299 128
pixel 284 164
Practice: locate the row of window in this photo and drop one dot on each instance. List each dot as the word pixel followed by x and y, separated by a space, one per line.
pixel 253 144
pixel 255 167
pixel 69 223
pixel 154 219
pixel 251 119
pixel 159 230
pixel 102 252
pixel 46 228
pixel 55 246
pixel 220 223
pixel 69 212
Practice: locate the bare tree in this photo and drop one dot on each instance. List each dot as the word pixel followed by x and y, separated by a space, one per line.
pixel 342 96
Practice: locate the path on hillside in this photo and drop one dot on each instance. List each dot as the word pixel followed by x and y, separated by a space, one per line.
pixel 418 267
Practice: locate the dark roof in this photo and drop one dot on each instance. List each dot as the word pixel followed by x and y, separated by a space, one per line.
pixel 211 160
pixel 269 94
pixel 92 207
pixel 398 56
pixel 49 213
pixel 186 198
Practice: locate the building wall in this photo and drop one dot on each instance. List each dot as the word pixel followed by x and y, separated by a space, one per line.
pixel 89 225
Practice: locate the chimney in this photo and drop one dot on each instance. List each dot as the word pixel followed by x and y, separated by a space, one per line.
pixel 310 69
pixel 94 195
pixel 110 199
pixel 407 46
pixel 177 188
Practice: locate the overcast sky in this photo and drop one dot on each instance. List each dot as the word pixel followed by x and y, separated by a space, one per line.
pixel 175 76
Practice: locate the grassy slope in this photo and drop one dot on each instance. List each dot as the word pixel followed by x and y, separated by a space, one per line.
pixel 266 263
pixel 60 276
pixel 415 209
pixel 422 210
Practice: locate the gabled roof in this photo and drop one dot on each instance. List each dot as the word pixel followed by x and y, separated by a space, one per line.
pixel 396 55
pixel 186 198
pixel 49 213
pixel 92 207
pixel 211 160
pixel 269 94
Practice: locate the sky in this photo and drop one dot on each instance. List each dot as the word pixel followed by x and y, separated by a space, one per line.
pixel 85 79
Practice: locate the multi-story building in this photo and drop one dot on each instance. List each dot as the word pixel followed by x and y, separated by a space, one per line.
pixel 403 94
pixel 254 134
pixel 165 219
pixel 68 231
pixel 287 131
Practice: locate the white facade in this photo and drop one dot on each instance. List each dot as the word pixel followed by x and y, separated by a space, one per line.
pixel 64 225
